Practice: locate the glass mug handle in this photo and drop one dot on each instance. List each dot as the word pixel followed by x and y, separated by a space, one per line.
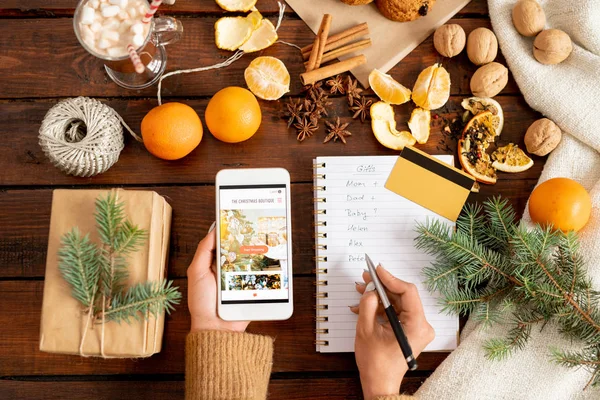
pixel 167 30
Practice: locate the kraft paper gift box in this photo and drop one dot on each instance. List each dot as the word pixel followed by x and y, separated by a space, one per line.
pixel 63 322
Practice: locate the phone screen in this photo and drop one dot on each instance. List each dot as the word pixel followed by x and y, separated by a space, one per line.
pixel 253 252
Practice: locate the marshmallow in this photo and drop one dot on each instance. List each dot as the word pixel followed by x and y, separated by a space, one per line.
pixel 143 10
pixel 96 27
pixel 110 11
pixel 87 15
pixel 138 40
pixel 111 35
pixel 94 3
pixel 104 44
pixel 103 6
pixel 120 3
pixel 132 12
pixel 137 28
pixel 116 51
pixel 123 15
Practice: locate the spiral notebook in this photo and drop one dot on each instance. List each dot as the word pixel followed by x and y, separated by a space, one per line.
pixel 355 214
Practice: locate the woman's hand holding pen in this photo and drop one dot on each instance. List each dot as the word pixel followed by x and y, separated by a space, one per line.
pixel 378 356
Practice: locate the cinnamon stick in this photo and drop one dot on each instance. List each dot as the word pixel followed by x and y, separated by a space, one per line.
pixel 330 46
pixel 316 53
pixel 316 75
pixel 351 48
pixel 360 28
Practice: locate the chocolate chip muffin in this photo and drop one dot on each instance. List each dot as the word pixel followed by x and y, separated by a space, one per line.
pixel 404 10
pixel 356 2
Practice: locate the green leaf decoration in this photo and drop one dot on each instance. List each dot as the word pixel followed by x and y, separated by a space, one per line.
pixel 499 271
pixel 98 274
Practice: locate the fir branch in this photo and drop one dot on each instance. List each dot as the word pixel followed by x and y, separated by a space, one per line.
pixel 79 266
pixel 141 299
pixel 109 215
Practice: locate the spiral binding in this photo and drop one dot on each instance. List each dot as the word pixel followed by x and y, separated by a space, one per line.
pixel 320 272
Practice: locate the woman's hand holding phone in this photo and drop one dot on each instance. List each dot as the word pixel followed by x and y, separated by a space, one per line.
pixel 202 290
pixel 378 356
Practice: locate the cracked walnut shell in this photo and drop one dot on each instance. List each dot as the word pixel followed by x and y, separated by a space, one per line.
pixel 449 40
pixel 552 46
pixel 482 46
pixel 542 137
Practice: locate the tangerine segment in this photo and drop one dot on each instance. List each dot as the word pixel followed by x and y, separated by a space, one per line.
pixel 233 115
pixel 561 203
pixel 432 88
pixel 267 78
pixel 388 89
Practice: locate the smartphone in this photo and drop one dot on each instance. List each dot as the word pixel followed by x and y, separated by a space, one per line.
pixel 254 244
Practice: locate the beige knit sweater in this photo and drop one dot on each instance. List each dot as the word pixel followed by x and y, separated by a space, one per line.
pixel 231 366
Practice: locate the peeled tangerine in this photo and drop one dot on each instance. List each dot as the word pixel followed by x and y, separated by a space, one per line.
pixel 233 32
pixel 384 127
pixel 388 89
pixel 267 78
pixel 432 88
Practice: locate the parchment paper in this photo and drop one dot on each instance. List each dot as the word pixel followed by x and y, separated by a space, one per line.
pixel 392 41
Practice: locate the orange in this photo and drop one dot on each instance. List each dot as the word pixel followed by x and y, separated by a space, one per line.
pixel 562 203
pixel 233 115
pixel 171 131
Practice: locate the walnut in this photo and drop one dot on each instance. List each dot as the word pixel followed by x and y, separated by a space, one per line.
pixel 449 40
pixel 552 46
pixel 489 80
pixel 482 46
pixel 542 137
pixel 528 17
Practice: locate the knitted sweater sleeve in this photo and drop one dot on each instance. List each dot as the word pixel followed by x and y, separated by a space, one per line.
pixel 227 365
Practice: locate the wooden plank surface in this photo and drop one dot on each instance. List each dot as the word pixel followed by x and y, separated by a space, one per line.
pixel 339 388
pixel 25 220
pixel 24 163
pixel 62 8
pixel 294 348
pixel 68 70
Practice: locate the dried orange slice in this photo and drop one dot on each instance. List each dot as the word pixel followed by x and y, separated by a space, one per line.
pixel 419 124
pixel 261 38
pixel 432 88
pixel 383 124
pixel 236 5
pixel 477 136
pixel 511 158
pixel 479 104
pixel 388 89
pixel 267 78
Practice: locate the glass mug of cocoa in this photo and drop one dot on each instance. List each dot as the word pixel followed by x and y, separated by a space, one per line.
pixel 105 28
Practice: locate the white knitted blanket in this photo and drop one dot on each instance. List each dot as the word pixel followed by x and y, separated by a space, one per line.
pixel 568 94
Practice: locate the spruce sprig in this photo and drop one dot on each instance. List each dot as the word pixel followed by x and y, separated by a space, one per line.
pixel 499 271
pixel 98 274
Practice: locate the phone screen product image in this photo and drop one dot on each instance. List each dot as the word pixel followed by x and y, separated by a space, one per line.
pixel 254 254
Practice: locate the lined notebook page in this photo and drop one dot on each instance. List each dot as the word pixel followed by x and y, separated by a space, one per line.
pixel 355 214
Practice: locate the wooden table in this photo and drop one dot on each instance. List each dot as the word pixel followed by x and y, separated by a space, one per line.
pixel 41 62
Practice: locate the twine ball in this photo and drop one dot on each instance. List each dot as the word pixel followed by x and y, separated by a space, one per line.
pixel 82 136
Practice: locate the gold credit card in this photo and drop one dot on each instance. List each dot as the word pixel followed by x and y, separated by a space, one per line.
pixel 430 183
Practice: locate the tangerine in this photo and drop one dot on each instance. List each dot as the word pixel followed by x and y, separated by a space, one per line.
pixel 233 114
pixel 561 203
pixel 171 131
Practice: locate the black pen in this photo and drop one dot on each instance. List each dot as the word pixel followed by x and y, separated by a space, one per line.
pixel 392 316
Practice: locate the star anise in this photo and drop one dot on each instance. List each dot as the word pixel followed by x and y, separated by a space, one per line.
pixel 361 108
pixel 352 91
pixel 314 88
pixel 306 127
pixel 337 131
pixel 320 105
pixel 294 110
pixel 336 85
pixel 309 109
